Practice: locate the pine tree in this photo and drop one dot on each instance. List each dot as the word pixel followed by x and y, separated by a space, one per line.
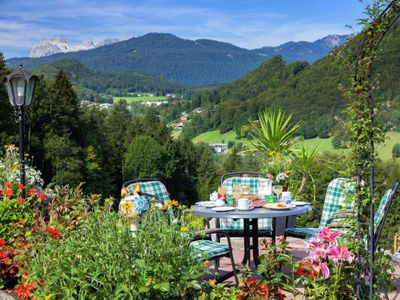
pixel 207 173
pixel 8 128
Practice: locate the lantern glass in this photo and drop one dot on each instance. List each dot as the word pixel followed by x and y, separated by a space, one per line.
pixel 30 89
pixel 18 85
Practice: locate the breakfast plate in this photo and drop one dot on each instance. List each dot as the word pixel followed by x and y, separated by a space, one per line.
pixel 245 209
pixel 208 204
pixel 278 206
pixel 300 203
pixel 223 208
pixel 258 203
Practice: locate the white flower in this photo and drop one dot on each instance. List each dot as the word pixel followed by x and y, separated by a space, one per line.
pixel 281 177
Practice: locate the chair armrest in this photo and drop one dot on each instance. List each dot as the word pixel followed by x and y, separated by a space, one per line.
pixel 207 232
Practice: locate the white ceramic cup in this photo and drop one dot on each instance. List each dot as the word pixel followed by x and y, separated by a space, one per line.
pixel 243 203
pixel 219 203
pixel 287 197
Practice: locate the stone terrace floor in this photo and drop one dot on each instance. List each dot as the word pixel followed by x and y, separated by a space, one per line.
pixel 298 249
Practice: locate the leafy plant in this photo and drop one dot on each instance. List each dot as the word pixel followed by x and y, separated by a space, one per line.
pixel 165 267
pixel 96 261
pixel 272 133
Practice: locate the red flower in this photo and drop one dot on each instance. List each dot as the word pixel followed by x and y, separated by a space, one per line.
pixel 56 234
pixel 21 221
pixel 32 192
pixel 21 200
pixel 8 184
pixel 305 268
pixel 21 186
pixel 2 242
pixel 42 196
pixel 7 192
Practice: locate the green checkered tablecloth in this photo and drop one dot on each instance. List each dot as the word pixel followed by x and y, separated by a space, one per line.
pixel 207 249
pixel 156 188
pixel 253 183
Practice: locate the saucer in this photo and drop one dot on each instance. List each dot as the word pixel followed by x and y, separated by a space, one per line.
pixel 223 208
pixel 245 209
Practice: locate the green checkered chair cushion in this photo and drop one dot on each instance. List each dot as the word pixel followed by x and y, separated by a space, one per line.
pixel 307 232
pixel 207 249
pixel 253 183
pixel 156 188
pixel 381 208
pixel 339 191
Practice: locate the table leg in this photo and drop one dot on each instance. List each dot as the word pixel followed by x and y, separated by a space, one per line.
pixel 254 225
pixel 246 229
pixel 274 231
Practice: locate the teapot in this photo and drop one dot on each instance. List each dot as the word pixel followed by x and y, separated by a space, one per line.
pixel 264 188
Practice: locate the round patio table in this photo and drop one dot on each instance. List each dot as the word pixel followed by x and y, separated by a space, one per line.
pixel 250 217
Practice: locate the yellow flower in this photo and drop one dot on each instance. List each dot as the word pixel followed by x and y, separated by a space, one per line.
pixel 49 296
pixel 126 205
pixel 170 204
pixel 184 229
pixel 28 233
pixel 287 172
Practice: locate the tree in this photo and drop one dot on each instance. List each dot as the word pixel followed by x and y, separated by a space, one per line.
pixel 183 182
pixel 8 128
pixel 64 156
pixel 232 162
pixel 63 110
pixel 396 151
pixel 145 157
pixel 116 129
pixel 207 173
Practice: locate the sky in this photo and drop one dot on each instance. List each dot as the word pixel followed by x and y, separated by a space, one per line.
pixel 246 23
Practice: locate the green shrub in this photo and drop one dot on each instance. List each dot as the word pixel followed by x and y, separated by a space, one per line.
pixel 396 151
pixel 94 262
pixel 165 268
pixel 104 260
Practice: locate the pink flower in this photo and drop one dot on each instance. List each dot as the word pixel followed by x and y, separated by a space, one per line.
pixel 323 268
pixel 339 253
pixel 329 236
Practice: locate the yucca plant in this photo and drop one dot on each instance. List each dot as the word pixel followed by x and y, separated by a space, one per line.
pixel 272 133
pixel 304 160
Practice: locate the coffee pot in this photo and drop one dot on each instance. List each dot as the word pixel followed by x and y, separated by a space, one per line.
pixel 264 188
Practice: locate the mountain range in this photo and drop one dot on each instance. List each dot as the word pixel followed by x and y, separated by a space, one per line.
pixel 312 93
pixel 188 62
pixel 48 47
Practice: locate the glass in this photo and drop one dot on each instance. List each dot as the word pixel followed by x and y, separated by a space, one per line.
pixel 277 190
pixel 222 191
pixel 245 190
pixel 237 192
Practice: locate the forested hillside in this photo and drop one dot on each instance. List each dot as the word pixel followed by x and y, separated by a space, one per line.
pixel 193 63
pixel 188 62
pixel 310 92
pixel 85 78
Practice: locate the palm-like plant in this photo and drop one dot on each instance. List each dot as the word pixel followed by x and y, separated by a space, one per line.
pixel 273 133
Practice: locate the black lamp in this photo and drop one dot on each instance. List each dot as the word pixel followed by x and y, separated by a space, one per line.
pixel 20 88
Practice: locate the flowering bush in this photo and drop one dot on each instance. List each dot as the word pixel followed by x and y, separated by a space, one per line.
pixel 328 272
pixel 10 170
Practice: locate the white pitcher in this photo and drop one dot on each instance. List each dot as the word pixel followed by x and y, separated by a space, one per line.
pixel 264 188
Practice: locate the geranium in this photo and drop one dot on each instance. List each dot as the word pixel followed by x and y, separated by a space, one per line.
pixel 21 186
pixel 7 192
pixel 56 234
pixel 25 290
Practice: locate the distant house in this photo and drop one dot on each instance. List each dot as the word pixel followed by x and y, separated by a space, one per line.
pixel 219 147
pixel 179 125
pixel 154 103
pixel 198 110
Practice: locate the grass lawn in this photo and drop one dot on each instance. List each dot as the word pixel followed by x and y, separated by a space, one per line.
pixel 214 136
pixel 143 98
pixel 385 151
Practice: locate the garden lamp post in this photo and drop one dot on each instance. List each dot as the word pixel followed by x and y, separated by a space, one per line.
pixel 20 88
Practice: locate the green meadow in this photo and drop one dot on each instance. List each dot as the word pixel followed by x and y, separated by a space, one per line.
pixel 385 150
